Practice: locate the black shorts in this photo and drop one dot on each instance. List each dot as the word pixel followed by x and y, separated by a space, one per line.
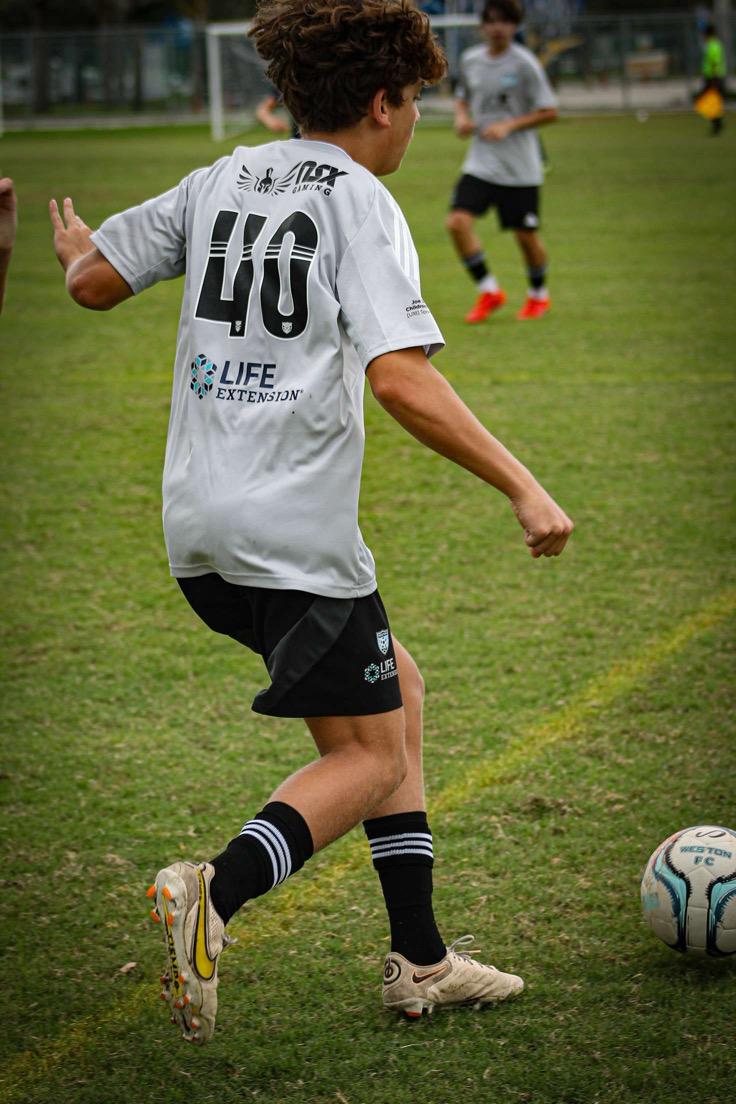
pixel 517 208
pixel 327 657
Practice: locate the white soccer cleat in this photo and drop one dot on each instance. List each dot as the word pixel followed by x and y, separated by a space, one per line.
pixel 455 981
pixel 195 937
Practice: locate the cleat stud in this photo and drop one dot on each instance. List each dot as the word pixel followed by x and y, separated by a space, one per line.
pixel 155 916
pixel 187 999
pixel 167 893
pixel 183 979
pixel 170 918
pixel 165 996
pixel 179 1003
pixel 151 891
pixel 195 1024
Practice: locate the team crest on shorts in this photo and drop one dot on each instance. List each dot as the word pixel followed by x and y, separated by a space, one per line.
pixel 383 641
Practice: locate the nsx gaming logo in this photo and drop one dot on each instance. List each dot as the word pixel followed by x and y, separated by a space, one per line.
pixel 304 176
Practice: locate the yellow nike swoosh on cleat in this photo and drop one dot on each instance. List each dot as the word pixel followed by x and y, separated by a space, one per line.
pixel 204 964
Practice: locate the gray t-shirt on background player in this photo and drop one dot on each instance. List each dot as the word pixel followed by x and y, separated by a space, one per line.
pixel 500 88
pixel 299 269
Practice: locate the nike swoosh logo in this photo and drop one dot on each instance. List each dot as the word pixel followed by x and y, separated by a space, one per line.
pixel 415 977
pixel 204 964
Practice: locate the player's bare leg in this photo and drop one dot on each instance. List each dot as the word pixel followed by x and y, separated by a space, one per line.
pixel 535 258
pixel 461 227
pixel 409 796
pixel 363 760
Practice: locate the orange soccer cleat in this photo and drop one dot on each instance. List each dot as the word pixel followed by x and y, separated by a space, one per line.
pixel 534 308
pixel 486 303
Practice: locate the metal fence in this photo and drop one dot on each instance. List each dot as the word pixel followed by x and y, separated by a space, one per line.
pixel 159 74
pixel 94 77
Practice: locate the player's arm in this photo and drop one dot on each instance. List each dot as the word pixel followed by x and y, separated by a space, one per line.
pixel 267 117
pixel 90 278
pixel 8 224
pixel 496 132
pixel 464 125
pixel 423 402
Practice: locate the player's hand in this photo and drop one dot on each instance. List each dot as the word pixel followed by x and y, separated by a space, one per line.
pixel 464 126
pixel 8 213
pixel 546 526
pixel 71 235
pixel 496 132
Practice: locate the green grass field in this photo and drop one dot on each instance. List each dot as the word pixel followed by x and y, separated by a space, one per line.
pixel 579 710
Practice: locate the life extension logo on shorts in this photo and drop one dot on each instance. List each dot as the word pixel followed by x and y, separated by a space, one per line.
pixel 387 668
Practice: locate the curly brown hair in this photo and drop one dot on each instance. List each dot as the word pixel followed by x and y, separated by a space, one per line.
pixel 328 58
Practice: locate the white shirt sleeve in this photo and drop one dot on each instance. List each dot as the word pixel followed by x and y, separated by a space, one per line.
pixel 148 243
pixel 461 88
pixel 537 87
pixel 381 305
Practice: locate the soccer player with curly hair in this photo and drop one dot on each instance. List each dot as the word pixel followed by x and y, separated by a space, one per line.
pixel 301 280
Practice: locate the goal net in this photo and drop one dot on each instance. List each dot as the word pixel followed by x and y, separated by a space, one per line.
pixel 237 77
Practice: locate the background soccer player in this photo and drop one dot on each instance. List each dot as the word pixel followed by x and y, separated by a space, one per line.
pixel 8 225
pixel 503 95
pixel 300 277
pixel 714 72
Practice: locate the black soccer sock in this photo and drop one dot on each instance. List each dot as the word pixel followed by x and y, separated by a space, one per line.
pixel 401 846
pixel 537 277
pixel 275 844
pixel 476 266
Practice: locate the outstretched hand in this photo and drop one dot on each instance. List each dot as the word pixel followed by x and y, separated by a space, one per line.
pixel 71 234
pixel 8 213
pixel 546 526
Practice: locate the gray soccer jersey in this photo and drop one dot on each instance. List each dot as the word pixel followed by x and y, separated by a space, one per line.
pixel 299 269
pixel 500 88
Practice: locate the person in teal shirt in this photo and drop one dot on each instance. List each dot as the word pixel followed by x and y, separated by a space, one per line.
pixel 714 71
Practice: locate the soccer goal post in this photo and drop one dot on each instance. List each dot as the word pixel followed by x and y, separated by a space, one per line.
pixel 236 79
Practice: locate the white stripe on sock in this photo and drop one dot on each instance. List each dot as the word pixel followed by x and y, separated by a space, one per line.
pixel 401 836
pixel 274 844
pixel 405 851
pixel 282 846
pixel 250 829
pixel 390 848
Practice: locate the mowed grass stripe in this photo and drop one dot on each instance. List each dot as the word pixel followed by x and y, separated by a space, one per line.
pixel 28 1069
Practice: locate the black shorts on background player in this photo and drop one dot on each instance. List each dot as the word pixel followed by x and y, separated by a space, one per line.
pixel 517 207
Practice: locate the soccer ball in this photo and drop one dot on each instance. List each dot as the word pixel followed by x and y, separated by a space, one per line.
pixel 688 892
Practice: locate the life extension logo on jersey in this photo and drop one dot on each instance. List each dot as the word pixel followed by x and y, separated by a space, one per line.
pixel 261 376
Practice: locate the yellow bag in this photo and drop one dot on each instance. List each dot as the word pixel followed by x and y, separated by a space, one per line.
pixel 710 104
